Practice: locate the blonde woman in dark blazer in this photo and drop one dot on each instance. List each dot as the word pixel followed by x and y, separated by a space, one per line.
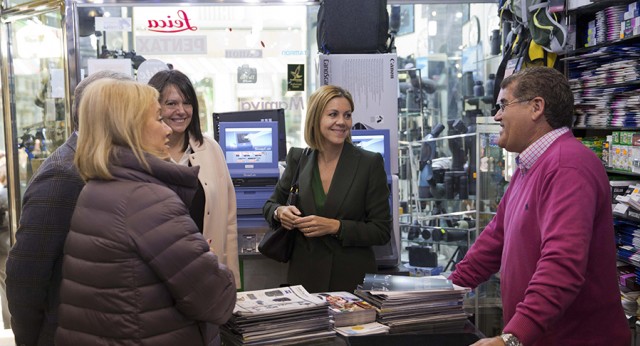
pixel 343 206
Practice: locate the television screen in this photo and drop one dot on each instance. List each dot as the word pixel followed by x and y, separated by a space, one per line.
pixel 376 141
pixel 275 116
pixel 250 148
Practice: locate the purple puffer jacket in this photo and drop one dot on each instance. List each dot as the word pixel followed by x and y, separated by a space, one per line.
pixel 136 269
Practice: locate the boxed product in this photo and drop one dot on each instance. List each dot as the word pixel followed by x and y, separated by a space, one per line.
pixel 620 187
pixel 423 271
pixel 606 152
pixel 627 275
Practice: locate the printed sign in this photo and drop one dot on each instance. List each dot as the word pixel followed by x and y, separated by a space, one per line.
pixel 243 53
pixel 247 74
pixel 171 25
pixel 164 45
pixel 295 77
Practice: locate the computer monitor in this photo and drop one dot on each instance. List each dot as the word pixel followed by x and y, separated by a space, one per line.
pixel 250 148
pixel 262 115
pixel 376 140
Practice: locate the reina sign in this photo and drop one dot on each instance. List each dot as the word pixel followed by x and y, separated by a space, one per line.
pixel 170 25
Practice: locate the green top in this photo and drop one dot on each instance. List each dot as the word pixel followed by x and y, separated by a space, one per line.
pixel 319 197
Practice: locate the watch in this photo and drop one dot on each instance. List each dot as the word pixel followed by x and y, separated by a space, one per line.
pixel 510 340
pixel 275 213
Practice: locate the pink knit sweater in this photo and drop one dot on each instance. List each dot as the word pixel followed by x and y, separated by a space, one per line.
pixel 552 241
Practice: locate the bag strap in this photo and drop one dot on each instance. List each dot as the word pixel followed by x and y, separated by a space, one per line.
pixel 294 182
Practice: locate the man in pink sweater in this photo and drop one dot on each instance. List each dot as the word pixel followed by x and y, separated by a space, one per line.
pixel 552 238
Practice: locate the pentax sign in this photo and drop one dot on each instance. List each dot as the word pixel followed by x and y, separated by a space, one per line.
pixel 160 45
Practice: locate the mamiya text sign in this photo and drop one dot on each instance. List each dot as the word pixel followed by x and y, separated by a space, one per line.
pixel 171 44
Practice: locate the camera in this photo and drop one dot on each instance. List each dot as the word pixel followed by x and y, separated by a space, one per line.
pixel 136 59
pixel 247 74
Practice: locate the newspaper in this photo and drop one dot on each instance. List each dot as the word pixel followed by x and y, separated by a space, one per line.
pixel 363 329
pixel 276 300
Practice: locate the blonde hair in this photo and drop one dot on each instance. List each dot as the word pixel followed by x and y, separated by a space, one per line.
pixel 112 113
pixel 317 103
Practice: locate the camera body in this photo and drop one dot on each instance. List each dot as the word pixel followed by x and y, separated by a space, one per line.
pixel 247 74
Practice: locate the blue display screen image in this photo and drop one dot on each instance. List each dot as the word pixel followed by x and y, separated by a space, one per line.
pixel 248 145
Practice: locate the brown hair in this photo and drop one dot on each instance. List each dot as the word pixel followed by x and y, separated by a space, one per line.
pixel 549 84
pixel 317 103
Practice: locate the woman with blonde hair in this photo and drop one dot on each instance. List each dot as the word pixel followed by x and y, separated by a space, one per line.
pixel 337 221
pixel 136 269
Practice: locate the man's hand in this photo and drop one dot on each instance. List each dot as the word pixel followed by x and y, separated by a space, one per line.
pixel 495 341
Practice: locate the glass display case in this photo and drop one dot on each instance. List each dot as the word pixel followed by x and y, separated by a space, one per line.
pixel 436 180
pixel 452 177
pixel 37 98
pixel 495 168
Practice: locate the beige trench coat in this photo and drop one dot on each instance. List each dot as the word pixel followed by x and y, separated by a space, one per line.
pixel 220 221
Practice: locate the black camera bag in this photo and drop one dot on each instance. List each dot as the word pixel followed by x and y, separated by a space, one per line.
pixel 353 27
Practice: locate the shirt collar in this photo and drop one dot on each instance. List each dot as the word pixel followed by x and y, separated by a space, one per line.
pixel 184 160
pixel 529 156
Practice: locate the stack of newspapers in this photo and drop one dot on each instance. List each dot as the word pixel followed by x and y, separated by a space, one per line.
pixel 277 316
pixel 415 304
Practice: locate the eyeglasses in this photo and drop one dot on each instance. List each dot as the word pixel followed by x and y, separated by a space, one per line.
pixel 502 106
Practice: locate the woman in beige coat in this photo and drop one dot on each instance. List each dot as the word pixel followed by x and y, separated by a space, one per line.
pixel 214 207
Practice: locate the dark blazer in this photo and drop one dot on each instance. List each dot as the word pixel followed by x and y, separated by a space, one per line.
pixel 359 198
pixel 35 261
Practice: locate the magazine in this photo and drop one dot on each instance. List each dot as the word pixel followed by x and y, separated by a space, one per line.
pixel 363 329
pixel 348 309
pixel 415 303
pixel 277 316
pixel 395 283
pixel 275 301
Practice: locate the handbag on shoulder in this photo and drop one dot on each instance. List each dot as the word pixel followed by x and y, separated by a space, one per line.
pixel 277 242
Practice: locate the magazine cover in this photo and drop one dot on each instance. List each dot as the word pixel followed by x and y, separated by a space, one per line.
pixel 276 300
pixel 347 309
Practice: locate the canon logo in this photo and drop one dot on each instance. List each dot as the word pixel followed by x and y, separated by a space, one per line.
pixel 392 67
pixel 171 25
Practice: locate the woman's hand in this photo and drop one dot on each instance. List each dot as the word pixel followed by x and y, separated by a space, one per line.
pixel 317 226
pixel 288 215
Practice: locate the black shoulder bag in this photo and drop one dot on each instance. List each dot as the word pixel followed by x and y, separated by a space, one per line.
pixel 277 243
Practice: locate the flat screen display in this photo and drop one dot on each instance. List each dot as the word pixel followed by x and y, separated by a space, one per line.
pixel 250 148
pixel 275 116
pixel 376 141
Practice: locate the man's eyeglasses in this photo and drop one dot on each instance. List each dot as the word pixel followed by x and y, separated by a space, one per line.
pixel 502 106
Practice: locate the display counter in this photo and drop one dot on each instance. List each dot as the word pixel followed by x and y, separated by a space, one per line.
pixel 466 337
